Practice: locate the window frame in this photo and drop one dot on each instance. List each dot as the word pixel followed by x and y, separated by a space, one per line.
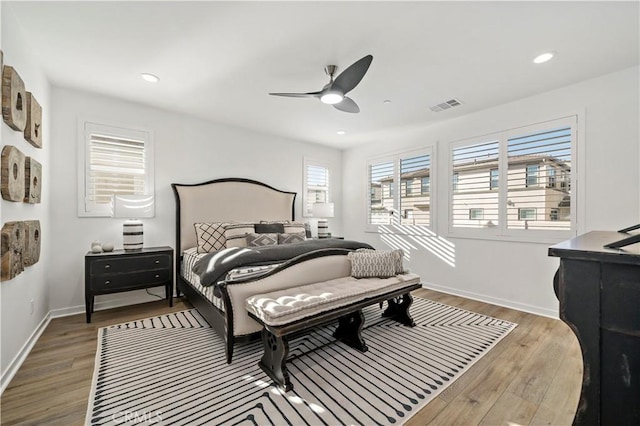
pixel 396 190
pixel 305 193
pixel 85 127
pixel 501 231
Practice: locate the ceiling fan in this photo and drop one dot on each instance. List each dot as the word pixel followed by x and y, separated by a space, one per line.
pixel 334 92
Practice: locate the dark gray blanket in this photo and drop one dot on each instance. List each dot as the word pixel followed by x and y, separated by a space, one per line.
pixel 214 266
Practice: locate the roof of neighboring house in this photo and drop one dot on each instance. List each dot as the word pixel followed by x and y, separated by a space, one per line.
pixel 492 163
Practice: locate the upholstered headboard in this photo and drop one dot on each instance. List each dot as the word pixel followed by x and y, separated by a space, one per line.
pixel 223 200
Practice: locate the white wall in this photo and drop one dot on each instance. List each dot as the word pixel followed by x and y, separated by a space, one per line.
pixel 18 323
pixel 187 150
pixel 513 273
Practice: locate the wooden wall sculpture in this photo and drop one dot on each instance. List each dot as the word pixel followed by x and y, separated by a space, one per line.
pixel 11 246
pixel 32 181
pixel 33 128
pixel 12 172
pixel 31 250
pixel 14 103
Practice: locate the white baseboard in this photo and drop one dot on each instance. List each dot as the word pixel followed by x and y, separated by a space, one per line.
pixel 22 354
pixel 128 299
pixel 494 300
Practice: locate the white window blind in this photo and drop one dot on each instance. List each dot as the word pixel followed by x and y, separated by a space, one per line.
pixel 316 184
pixel 117 161
pixel 415 196
pixel 535 199
pixel 381 201
pixel 399 192
pixel 116 167
pixel 473 181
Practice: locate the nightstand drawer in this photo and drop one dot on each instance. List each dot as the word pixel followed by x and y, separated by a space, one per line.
pixel 142 279
pixel 130 264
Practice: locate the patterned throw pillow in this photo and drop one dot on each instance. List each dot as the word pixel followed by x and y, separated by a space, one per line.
pixel 236 233
pixel 374 264
pixel 291 238
pixel 210 237
pixel 399 266
pixel 259 240
pixel 294 228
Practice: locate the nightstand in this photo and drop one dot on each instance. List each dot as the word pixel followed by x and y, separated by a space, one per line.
pixel 116 271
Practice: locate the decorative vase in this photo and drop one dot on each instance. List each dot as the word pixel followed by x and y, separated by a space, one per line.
pixel 132 235
pixel 107 247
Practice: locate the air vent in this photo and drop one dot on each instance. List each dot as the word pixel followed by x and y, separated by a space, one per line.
pixel 446 105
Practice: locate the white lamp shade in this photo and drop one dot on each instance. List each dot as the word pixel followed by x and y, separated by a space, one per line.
pixel 133 206
pixel 322 210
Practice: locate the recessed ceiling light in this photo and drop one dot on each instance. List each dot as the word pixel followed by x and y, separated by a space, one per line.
pixel 341 132
pixel 386 101
pixel 150 77
pixel 544 57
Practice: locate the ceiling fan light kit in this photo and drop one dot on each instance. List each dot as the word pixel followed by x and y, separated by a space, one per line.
pixel 333 93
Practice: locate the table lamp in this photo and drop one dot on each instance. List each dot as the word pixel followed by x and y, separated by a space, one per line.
pixel 322 211
pixel 133 207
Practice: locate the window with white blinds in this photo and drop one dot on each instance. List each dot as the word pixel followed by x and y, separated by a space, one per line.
pixel 316 184
pixel 381 208
pixel 538 163
pixel 117 161
pixel 474 185
pixel 399 191
pixel 515 182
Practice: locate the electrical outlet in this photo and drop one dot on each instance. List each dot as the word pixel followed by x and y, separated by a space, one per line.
pixel 32 304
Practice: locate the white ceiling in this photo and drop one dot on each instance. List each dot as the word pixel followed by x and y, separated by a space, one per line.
pixel 218 60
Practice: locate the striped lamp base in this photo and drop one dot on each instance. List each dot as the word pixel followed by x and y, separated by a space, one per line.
pixel 132 235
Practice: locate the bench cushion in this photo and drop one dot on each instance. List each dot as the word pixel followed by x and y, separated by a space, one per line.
pixel 286 306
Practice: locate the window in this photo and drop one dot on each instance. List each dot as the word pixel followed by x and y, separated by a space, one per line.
pixel 520 178
pixel 550 147
pixel 411 173
pixel 115 161
pixel 476 214
pixel 493 179
pixel 532 176
pixel 551 177
pixel 527 214
pixel 381 176
pixel 425 185
pixel 472 163
pixel 316 184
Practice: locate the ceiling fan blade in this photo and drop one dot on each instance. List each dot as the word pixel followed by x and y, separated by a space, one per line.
pixel 347 105
pixel 350 77
pixel 298 95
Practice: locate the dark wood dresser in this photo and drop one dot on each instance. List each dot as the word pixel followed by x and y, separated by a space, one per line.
pixel 599 293
pixel 116 271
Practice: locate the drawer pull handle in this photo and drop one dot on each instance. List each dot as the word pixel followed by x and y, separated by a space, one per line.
pixel 157 262
pixel 107 282
pixel 107 266
pixel 157 276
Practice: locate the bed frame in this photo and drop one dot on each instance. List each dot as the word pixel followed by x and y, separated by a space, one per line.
pixel 221 200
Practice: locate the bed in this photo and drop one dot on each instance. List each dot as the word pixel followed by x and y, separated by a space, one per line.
pixel 243 200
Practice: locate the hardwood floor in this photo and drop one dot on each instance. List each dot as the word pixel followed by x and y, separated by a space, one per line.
pixel 532 376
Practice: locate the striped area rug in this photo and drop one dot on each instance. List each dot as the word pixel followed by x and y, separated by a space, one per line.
pixel 171 369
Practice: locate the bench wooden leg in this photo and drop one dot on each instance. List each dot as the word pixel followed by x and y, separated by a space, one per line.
pixel 349 331
pixel 398 309
pixel 274 359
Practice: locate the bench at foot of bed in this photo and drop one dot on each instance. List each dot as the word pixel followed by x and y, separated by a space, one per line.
pixel 292 311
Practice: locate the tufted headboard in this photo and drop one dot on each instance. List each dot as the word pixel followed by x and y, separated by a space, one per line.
pixel 229 199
